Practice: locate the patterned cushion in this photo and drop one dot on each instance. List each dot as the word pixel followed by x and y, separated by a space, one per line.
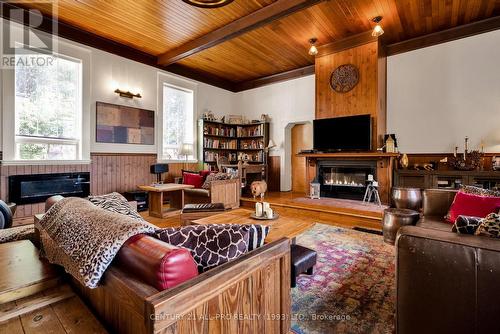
pixel 23 232
pixel 115 202
pixel 480 191
pixel 466 224
pixel 215 177
pixel 490 226
pixel 210 245
pixel 257 236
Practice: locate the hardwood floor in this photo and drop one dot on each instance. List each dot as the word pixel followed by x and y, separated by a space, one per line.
pixel 337 212
pixel 173 221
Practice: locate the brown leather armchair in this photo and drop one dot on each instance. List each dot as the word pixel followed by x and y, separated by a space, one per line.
pixel 446 282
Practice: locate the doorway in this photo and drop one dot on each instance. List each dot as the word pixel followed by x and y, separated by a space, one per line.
pixel 302 139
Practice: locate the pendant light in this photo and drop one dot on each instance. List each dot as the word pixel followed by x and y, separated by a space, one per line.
pixel 377 30
pixel 313 50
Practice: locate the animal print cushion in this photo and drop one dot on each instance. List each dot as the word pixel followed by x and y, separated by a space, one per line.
pixel 257 236
pixel 490 226
pixel 215 177
pixel 210 245
pixel 115 202
pixel 480 191
pixel 466 224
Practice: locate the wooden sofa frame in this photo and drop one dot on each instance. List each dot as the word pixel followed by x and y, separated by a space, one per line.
pixel 249 295
pixel 227 192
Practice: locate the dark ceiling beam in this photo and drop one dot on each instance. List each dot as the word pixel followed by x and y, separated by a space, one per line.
pixel 275 11
pixel 444 36
pixel 275 78
pixel 346 43
pixel 78 35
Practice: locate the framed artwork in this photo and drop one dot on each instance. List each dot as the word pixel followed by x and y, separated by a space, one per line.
pixel 124 125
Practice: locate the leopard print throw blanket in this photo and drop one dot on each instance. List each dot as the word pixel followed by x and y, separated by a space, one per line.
pixel 84 239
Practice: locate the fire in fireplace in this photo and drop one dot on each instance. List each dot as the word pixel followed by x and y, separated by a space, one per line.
pixel 344 179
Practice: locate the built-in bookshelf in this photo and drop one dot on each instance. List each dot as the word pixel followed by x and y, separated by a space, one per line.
pixel 219 139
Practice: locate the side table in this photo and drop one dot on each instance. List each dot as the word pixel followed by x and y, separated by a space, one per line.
pixel 394 219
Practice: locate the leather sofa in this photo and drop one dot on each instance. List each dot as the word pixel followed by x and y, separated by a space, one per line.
pixel 152 261
pixel 446 282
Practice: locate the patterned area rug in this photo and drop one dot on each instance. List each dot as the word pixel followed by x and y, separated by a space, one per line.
pixel 353 286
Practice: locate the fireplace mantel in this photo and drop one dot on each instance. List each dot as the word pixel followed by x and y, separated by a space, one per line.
pixel 341 155
pixel 385 167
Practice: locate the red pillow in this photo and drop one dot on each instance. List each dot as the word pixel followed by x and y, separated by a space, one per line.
pixel 472 205
pixel 204 174
pixel 195 180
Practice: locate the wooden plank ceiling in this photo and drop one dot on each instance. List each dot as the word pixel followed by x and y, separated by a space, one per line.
pixel 159 26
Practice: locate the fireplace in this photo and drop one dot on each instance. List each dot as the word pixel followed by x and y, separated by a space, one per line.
pixel 26 189
pixel 344 178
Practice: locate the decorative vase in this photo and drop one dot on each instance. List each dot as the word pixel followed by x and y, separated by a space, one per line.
pixel 407 198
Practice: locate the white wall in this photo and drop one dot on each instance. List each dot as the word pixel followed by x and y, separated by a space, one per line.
pixel 109 72
pixel 438 95
pixel 286 102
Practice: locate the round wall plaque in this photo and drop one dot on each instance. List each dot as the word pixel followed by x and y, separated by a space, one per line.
pixel 344 78
pixel 208 3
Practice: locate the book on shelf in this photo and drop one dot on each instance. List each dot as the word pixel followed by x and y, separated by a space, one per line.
pixel 211 143
pixel 251 144
pixel 250 131
pixel 219 130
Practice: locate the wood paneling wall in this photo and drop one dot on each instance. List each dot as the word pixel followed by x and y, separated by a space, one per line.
pixel 274 173
pixel 32 209
pixel 368 97
pixel 109 172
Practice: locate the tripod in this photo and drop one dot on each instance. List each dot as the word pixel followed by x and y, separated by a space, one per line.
pixel 372 190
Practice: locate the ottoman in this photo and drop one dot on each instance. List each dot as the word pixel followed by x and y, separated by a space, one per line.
pixel 192 212
pixel 303 260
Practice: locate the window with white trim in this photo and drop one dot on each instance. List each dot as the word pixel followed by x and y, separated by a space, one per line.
pixel 48 109
pixel 178 123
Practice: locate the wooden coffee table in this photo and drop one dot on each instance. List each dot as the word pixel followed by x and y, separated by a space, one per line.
pixel 157 193
pixel 285 226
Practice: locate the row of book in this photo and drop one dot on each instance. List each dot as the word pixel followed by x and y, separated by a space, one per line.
pixel 217 143
pixel 252 144
pixel 250 131
pixel 219 131
pixel 210 156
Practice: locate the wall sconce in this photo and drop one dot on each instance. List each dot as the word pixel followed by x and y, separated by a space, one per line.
pixel 127 94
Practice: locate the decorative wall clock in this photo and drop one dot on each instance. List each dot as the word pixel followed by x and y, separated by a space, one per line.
pixel 344 78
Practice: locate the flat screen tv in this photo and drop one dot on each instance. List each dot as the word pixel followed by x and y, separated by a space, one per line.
pixel 351 133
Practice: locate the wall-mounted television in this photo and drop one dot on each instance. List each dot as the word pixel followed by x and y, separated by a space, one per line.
pixel 351 133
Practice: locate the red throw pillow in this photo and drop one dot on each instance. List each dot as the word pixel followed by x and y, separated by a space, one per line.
pixel 195 180
pixel 472 205
pixel 204 174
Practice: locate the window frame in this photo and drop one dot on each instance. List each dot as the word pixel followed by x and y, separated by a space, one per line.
pixel 182 84
pixel 64 50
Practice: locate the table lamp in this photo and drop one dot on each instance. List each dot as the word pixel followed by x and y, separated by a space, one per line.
pixel 158 169
pixel 186 150
pixel 270 145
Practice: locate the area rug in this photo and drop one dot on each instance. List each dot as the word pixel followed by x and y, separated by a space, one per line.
pixel 353 286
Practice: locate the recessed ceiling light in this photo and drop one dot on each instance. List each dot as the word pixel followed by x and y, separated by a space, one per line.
pixel 208 3
pixel 377 30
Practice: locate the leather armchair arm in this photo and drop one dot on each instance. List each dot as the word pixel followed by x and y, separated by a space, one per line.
pixel 437 202
pixel 444 282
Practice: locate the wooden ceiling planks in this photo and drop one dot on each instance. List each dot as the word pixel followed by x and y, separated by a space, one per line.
pixel 152 26
pixel 159 26
pixel 282 45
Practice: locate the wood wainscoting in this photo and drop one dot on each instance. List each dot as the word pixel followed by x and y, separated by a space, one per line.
pixel 108 172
